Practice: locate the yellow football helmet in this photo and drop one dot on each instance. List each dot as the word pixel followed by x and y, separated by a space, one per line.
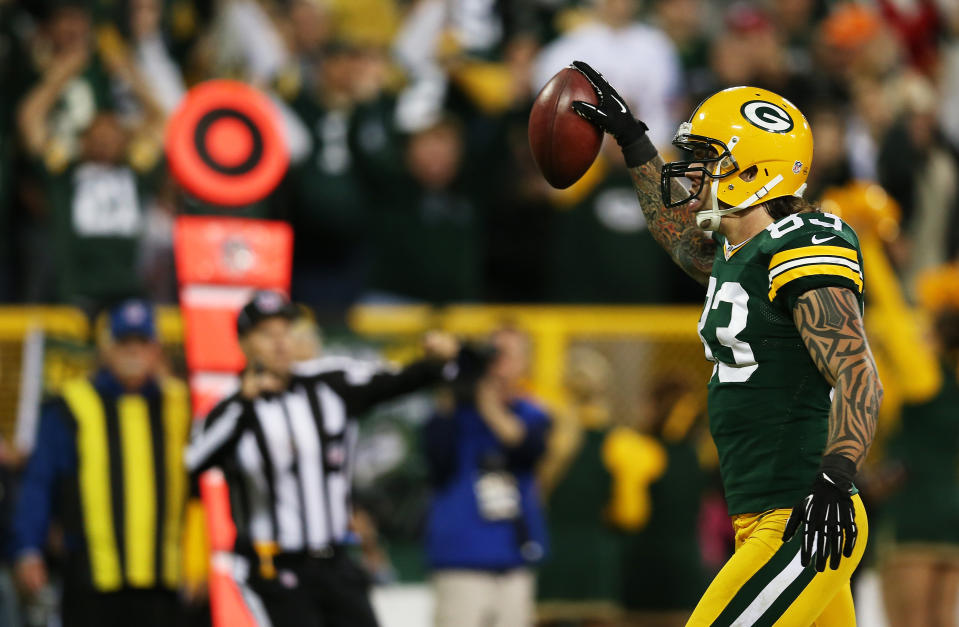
pixel 732 131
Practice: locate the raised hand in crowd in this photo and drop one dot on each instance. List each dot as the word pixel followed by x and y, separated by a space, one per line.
pixel 36 105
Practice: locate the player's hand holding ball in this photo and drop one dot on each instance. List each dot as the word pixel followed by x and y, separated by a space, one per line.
pixel 612 115
pixel 567 122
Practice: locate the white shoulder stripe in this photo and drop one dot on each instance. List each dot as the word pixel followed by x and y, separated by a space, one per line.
pixel 804 261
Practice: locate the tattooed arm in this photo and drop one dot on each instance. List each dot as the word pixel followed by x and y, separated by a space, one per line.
pixel 673 227
pixel 831 326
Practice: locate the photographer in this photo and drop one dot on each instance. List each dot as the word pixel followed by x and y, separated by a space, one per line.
pixel 485 528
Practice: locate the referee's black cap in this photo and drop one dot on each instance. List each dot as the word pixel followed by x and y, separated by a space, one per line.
pixel 264 304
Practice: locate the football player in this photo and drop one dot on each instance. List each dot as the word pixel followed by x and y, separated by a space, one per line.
pixel 794 393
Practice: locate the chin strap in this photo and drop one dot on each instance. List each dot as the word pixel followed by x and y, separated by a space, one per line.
pixel 709 219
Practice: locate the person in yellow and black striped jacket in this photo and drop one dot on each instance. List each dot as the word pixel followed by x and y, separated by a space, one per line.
pixel 108 464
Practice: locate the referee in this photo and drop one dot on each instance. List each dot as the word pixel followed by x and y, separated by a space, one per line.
pixel 285 443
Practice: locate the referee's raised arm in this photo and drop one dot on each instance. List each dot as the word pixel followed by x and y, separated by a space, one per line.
pixel 285 442
pixel 361 386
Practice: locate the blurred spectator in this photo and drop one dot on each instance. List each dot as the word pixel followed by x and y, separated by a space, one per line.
pixel 430 231
pixel 371 23
pixel 795 21
pixel 373 557
pixel 658 487
pixel 59 55
pixel 307 337
pixel 853 43
pixel 96 206
pixel 416 49
pixel 639 59
pixel 246 42
pixel 580 580
pixel 830 153
pixel 12 77
pixel 485 49
pixel 309 28
pixel 685 23
pixel 949 73
pixel 920 569
pixel 600 248
pixel 73 83
pixel 329 207
pixel 95 169
pixel 751 51
pixel 157 263
pixel 867 121
pixel 10 462
pixel 919 169
pixel 857 60
pixel 187 26
pixel 151 54
pixel 108 465
pixel 918 24
pixel 485 530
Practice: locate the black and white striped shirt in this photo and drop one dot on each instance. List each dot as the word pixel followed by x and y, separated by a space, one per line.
pixel 287 456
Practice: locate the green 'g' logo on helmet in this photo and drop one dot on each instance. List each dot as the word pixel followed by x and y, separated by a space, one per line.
pixel 767 116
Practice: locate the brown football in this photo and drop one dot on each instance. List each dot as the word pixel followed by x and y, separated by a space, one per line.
pixel 564 145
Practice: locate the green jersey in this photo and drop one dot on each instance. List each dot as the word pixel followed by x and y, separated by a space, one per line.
pixel 768 403
pixel 97 214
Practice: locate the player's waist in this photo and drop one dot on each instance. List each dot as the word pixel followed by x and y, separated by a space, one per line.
pixel 744 405
pixel 746 524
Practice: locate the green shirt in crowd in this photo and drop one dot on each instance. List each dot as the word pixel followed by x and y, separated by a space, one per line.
pixel 583 567
pixel 97 213
pixel 602 251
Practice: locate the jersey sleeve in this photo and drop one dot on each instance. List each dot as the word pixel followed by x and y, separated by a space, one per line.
pixel 810 260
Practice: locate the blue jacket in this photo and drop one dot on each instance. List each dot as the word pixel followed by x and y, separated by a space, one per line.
pixel 48 485
pixel 457 535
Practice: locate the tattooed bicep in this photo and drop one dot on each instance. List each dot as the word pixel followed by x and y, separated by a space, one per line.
pixel 830 324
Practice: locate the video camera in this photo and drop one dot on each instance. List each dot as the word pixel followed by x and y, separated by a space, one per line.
pixel 474 361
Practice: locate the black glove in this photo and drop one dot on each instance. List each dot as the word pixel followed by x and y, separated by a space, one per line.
pixel 827 515
pixel 613 116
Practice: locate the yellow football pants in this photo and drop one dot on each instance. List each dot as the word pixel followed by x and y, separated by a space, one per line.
pixel 764 585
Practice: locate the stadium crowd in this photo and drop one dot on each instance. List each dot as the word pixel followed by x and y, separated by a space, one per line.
pixel 411 181
pixel 406 126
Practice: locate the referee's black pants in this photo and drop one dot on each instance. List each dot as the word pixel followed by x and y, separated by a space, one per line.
pixel 153 607
pixel 308 590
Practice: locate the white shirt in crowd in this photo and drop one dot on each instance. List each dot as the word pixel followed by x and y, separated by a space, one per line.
pixel 638 60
